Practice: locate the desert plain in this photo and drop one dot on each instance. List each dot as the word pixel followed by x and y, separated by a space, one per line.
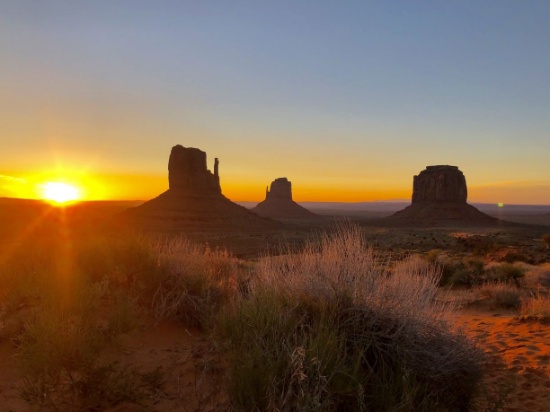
pixel 83 326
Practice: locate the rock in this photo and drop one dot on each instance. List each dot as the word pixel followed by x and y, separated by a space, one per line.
pixel 440 184
pixel 278 203
pixel 281 188
pixel 439 199
pixel 187 171
pixel 194 200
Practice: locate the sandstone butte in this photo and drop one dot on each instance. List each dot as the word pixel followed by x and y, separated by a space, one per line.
pixel 194 199
pixel 278 203
pixel 440 198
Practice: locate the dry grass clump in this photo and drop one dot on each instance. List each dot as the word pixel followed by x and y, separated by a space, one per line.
pixel 504 295
pixel 331 328
pixel 536 307
pixel 194 282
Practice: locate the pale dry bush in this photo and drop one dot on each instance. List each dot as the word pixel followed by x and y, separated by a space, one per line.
pixel 194 281
pixel 343 264
pixel 345 305
pixel 537 306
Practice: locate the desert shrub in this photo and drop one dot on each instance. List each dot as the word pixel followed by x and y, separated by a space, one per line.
pixel 124 314
pixel 502 294
pixel 512 256
pixel 505 272
pixel 195 281
pixel 122 259
pixel 71 296
pixel 330 329
pixel 413 264
pixel 25 270
pixel 546 240
pixel 433 255
pixel 464 272
pixel 537 306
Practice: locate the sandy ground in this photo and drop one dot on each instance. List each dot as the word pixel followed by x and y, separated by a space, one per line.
pixel 517 374
pixel 518 367
pixel 190 369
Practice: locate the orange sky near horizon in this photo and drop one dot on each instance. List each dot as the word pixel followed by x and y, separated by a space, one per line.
pixel 94 186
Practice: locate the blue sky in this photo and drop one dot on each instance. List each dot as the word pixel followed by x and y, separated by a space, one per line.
pixel 347 99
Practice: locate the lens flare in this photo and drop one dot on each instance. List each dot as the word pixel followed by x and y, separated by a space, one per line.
pixel 59 192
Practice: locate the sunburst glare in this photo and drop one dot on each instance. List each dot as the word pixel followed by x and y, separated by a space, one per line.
pixel 59 192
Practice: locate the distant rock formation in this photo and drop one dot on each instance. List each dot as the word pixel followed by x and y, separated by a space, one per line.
pixel 440 184
pixel 439 198
pixel 278 203
pixel 187 171
pixel 194 200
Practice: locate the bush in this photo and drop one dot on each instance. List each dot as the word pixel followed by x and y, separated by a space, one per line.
pixel 466 272
pixel 536 307
pixel 330 329
pixel 506 272
pixel 194 283
pixel 502 294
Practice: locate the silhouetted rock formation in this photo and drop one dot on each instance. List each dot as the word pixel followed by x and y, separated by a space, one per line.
pixel 278 203
pixel 439 198
pixel 281 188
pixel 187 171
pixel 194 199
pixel 440 184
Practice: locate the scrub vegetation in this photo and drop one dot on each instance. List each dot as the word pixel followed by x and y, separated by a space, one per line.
pixel 333 326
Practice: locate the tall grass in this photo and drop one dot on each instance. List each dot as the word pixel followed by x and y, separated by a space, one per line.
pixel 195 282
pixel 537 306
pixel 68 298
pixel 333 328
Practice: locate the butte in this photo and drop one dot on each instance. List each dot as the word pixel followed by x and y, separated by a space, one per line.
pixel 278 203
pixel 194 200
pixel 439 199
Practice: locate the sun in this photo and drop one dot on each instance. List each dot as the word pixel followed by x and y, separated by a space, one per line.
pixel 59 192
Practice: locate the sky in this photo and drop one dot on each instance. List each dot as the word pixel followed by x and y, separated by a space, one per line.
pixel 347 99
